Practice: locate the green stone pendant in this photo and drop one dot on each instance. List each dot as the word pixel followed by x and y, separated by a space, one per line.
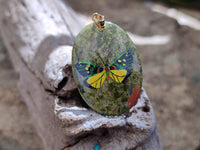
pixel 106 67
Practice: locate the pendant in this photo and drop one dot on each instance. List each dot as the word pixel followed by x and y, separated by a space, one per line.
pixel 106 67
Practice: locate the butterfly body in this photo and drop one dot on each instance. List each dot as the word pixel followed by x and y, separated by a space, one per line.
pixel 107 69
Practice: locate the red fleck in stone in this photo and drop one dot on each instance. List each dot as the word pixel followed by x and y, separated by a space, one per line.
pixel 134 96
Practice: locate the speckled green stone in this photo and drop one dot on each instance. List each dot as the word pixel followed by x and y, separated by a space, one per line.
pixel 112 98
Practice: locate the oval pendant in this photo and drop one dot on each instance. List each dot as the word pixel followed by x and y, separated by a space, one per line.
pixel 106 68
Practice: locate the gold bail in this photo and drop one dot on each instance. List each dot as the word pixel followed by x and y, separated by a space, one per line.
pixel 98 20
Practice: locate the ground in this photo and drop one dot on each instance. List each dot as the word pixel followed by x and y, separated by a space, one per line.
pixel 171 77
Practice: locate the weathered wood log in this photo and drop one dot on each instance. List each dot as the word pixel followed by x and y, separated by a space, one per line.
pixel 39 37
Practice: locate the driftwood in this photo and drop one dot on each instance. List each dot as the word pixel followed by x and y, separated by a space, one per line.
pixel 39 37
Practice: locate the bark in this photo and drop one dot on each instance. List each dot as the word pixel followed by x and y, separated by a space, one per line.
pixel 39 37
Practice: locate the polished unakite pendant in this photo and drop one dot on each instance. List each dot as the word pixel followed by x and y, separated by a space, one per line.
pixel 106 67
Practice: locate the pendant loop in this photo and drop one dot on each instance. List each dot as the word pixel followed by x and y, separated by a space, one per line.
pixel 98 20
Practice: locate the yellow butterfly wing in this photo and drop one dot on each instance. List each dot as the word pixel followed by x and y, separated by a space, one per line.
pixel 97 80
pixel 118 75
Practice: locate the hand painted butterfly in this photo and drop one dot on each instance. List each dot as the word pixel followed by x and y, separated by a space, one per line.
pixel 119 70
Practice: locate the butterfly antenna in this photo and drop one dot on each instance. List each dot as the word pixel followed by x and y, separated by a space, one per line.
pixel 101 59
pixel 109 53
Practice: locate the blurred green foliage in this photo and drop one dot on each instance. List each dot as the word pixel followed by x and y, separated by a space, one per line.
pixel 184 3
pixel 198 148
